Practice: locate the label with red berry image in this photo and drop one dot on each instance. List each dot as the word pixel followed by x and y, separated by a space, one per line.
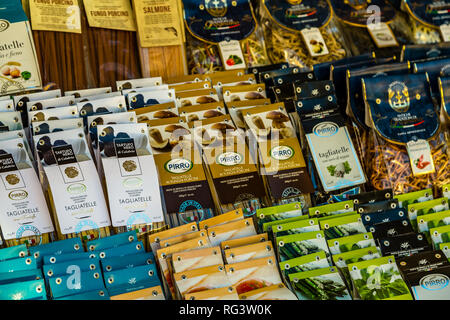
pixel 420 155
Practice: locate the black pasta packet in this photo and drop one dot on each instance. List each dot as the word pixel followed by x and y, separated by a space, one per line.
pixel 404 245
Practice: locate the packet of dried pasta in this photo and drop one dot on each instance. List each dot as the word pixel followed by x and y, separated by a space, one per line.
pixel 25 216
pixel 51 103
pixel 416 52
pixel 74 188
pixel 203 111
pixel 427 20
pixel 407 147
pixel 225 293
pixel 275 292
pixel 302 33
pixel 382 30
pixel 222 36
pixel 131 177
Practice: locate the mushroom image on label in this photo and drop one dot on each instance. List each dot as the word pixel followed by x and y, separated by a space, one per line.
pixel 212 113
pixel 129 165
pixel 278 122
pixel 12 179
pixel 186 103
pixel 177 134
pixel 235 97
pixel 71 172
pixel 193 117
pixel 205 99
pixel 163 114
pixel 260 126
pixel 156 139
pixel 253 95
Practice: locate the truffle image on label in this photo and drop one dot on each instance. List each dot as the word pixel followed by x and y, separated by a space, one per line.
pixel 12 179
pixel 71 172
pixel 129 165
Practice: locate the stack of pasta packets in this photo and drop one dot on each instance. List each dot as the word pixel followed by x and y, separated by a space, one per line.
pixel 223 258
pixel 20 276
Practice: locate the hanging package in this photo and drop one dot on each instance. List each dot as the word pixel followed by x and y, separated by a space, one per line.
pixel 371 26
pixel 222 35
pixel 407 147
pixel 19 69
pixel 302 33
pixel 428 20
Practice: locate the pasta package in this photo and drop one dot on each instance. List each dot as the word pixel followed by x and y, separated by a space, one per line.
pixel 444 88
pixel 382 30
pixel 214 294
pixel 427 20
pixel 222 35
pixel 19 68
pixel 302 33
pixel 131 177
pixel 74 188
pixel 25 217
pixel 407 147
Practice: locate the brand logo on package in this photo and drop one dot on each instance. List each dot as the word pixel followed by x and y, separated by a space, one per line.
pixel 18 195
pixel 282 153
pixel 3 25
pixel 326 129
pixel 434 282
pixel 229 159
pixel 76 188
pixel 399 96
pixel 216 8
pixel 356 4
pixel 178 166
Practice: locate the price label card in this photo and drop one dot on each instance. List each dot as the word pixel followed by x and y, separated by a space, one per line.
pixel 232 56
pixel 314 42
pixel 445 32
pixel 420 156
pixel 382 35
pixel 110 14
pixel 62 16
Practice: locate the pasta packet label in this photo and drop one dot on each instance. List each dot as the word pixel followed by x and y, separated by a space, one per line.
pixel 69 112
pixel 314 42
pixel 222 219
pixel 446 191
pixel 184 184
pixel 433 220
pixel 87 281
pixel 64 257
pixel 416 210
pixel 203 111
pixel 14 252
pixel 312 106
pixel 231 230
pixel 244 92
pixel 253 274
pixel 343 226
pixel 267 77
pixel 374 207
pixel 77 193
pixel 225 293
pixel 10 121
pixel 275 292
pixel 18 60
pixel 430 284
pixel 62 16
pixel 440 235
pixel 113 241
pixel 420 157
pixel 431 13
pixel 153 293
pixel 315 89
pixel 156 238
pixel 25 209
pixel 351 243
pixel 27 290
pixel 181 87
pixel 21 101
pixel 423 261
pixel 134 247
pixel 404 245
pixel 427 51
pixel 131 261
pixel 20 276
pixel 99 106
pixel 235 243
pixel 91 295
pixel 98 97
pixel 201 279
pixel 190 98
pixel 342 260
pixel 277 213
pixel 301 244
pixel 249 252
pixel 369 219
pixel 200 258
pixel 51 103
pixel 258 69
pixel 83 93
pixel 141 99
pixel 328 284
pixel 131 279
pixel 331 209
pixel 138 83
pixel 11 135
pixel 6 105
pixel 231 53
pixel 116 15
pixel 303 76
pixel 300 226
pixel 309 262
pixel 367 277
pixel 269 122
pixel 60 269
pixel 44 127
pixel 171 134
pixel 333 152
pixel 236 110
pixel 413 197
pixel 181 238
pixel 126 160
pixel 371 196
pixel 391 229
pixel 382 35
pixel 285 168
pixel 157 111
